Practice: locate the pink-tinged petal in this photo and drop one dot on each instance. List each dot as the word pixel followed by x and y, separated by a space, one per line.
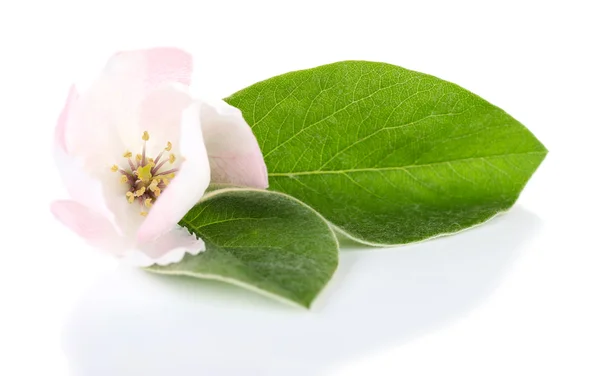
pixel 96 229
pixel 154 66
pixel 160 115
pixel 63 118
pixel 106 121
pixel 98 188
pixel 92 131
pixel 167 249
pixel 234 154
pixel 188 186
pixel 81 186
pixel 168 65
pixel 126 216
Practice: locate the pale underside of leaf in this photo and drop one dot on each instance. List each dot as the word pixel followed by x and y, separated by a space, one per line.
pixel 387 155
pixel 264 241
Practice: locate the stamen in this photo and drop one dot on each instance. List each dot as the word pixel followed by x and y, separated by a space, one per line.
pixel 144 178
pixel 156 162
pixel 145 137
pixel 140 192
pixel 153 184
pixel 155 169
pixel 159 156
pixel 130 197
pixel 169 173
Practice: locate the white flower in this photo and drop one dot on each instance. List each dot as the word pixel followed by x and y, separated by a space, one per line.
pixel 137 151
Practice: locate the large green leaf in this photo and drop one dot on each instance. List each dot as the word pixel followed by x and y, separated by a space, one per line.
pixel 264 241
pixel 388 155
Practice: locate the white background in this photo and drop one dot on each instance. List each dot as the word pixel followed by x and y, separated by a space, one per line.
pixel 518 296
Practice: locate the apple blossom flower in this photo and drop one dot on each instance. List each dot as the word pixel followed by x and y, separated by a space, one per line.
pixel 136 151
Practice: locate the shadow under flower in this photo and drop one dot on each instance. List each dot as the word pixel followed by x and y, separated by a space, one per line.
pixel 134 323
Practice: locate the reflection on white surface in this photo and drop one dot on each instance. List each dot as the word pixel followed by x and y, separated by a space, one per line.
pixel 133 323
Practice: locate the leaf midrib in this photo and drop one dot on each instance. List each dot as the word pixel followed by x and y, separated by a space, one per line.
pixel 398 168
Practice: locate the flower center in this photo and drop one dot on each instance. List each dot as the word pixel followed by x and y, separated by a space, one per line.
pixel 146 177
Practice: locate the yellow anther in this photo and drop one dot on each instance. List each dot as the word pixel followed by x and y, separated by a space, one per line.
pixel 171 175
pixel 153 184
pixel 172 158
pixel 143 214
pixel 127 154
pixel 130 197
pixel 151 160
pixel 145 136
pixel 114 168
pixel 156 191
pixel 148 202
pixel 140 192
pixel 169 146
pixel 124 179
pixel 138 157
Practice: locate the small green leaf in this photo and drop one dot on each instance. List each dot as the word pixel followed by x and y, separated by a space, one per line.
pixel 388 155
pixel 264 241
